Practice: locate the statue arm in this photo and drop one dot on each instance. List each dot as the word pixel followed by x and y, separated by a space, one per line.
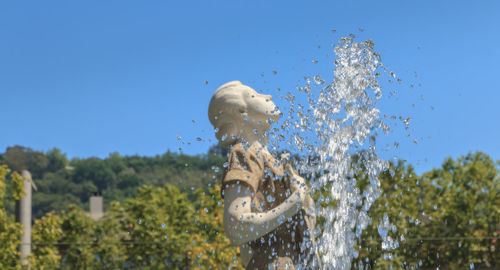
pixel 245 254
pixel 243 226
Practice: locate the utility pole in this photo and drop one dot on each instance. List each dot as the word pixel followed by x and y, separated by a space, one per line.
pixel 23 216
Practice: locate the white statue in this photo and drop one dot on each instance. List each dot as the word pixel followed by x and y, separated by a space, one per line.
pixel 267 210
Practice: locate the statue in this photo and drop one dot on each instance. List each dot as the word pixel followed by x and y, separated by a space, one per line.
pixel 268 211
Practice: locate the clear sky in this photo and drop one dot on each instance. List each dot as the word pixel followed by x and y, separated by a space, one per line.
pixel 94 77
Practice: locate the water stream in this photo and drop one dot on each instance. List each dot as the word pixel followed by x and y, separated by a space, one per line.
pixel 339 122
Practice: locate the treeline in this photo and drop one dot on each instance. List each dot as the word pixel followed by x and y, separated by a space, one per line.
pixel 62 182
pixel 160 228
pixel 448 217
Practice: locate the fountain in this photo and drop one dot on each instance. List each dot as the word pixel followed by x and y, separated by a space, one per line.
pixel 345 120
pixel 340 121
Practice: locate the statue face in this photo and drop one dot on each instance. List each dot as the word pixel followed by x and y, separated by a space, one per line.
pixel 260 107
pixel 237 110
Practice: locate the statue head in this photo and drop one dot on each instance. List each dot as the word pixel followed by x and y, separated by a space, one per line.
pixel 238 112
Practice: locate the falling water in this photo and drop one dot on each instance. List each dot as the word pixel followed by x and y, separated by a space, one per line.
pixel 340 121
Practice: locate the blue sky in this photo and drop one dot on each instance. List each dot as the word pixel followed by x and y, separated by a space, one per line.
pixel 94 77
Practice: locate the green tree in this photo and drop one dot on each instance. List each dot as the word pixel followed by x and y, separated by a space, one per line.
pixel 109 247
pixel 46 232
pixel 78 236
pixel 398 205
pixel 20 158
pixel 10 231
pixel 162 218
pixel 211 249
pixel 448 218
pixel 56 160
pixel 96 171
pixel 56 191
pixel 461 203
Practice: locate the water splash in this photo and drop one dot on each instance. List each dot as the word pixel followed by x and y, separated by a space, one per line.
pixel 340 122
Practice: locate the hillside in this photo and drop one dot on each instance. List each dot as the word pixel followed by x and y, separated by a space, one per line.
pixel 62 182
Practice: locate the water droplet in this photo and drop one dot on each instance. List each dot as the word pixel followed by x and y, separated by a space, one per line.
pixel 372 140
pixel 318 79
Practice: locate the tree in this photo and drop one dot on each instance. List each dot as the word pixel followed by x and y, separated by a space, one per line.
pixel 218 150
pixel 20 158
pixel 77 238
pixel 392 214
pixel 161 228
pixel 213 249
pixel 96 171
pixel 449 217
pixel 10 231
pixel 461 203
pixel 46 232
pixel 180 234
pixel 56 160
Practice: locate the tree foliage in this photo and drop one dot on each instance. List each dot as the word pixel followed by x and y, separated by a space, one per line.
pixel 165 212
pixel 159 229
pixel 10 231
pixel 62 182
pixel 447 218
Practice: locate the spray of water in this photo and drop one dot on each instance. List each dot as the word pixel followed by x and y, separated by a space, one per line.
pixel 340 121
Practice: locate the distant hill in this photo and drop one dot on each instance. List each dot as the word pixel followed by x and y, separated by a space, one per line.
pixel 62 182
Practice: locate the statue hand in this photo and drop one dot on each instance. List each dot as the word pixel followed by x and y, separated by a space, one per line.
pixel 286 157
pixel 297 183
pixel 309 211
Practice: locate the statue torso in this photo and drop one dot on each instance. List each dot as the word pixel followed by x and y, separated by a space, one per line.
pixel 271 186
